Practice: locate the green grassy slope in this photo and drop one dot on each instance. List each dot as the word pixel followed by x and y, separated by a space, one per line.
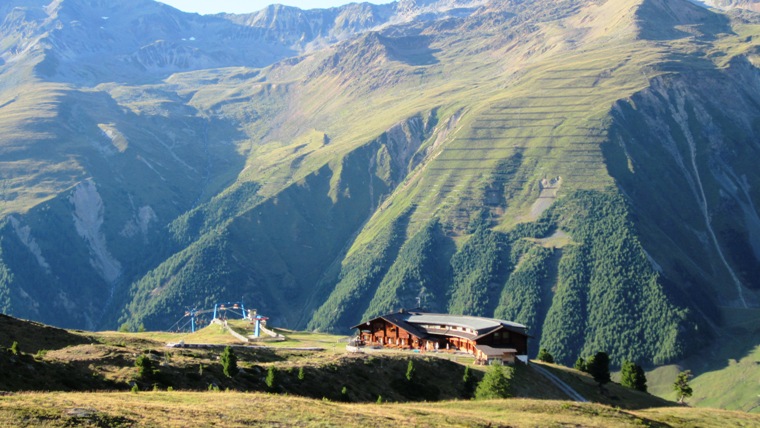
pixel 177 409
pixel 726 373
pixel 307 390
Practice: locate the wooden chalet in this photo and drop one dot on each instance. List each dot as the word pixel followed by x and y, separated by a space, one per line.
pixel 489 340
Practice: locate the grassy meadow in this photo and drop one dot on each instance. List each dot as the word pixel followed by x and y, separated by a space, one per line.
pixel 236 409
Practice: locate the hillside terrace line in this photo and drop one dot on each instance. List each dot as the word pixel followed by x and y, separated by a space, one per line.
pixel 489 340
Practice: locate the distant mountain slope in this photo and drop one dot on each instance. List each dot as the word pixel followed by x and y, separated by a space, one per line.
pixel 581 167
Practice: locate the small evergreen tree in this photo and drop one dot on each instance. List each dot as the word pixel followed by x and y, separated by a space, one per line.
pixel 144 366
pixel 229 362
pixel 640 383
pixel 344 394
pixel 495 384
pixel 545 356
pixel 410 371
pixel 468 383
pixel 633 376
pixel 301 374
pixel 580 365
pixel 681 385
pixel 14 348
pixel 379 399
pixel 271 379
pixel 599 367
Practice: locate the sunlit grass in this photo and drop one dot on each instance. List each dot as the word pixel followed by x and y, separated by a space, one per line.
pixel 180 409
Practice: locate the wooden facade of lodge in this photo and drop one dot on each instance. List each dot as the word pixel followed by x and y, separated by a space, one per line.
pixel 488 339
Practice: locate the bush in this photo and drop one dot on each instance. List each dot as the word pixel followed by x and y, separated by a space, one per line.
pixel 14 348
pixel 495 384
pixel 545 356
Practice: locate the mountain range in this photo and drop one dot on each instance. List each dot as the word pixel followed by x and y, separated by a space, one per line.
pixel 586 168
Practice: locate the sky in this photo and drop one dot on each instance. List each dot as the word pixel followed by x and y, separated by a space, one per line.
pixel 246 6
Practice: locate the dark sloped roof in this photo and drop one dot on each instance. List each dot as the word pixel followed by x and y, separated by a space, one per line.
pixel 399 320
pixel 411 322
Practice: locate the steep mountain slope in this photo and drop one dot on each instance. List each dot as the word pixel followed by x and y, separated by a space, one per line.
pixel 581 167
pixel 69 148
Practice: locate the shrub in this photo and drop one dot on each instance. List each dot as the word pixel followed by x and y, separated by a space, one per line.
pixel 14 348
pixel 545 356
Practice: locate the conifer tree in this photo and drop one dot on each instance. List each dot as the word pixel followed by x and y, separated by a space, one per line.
pixel 599 367
pixel 271 379
pixel 144 366
pixel 468 383
pixel 495 384
pixel 229 362
pixel 580 365
pixel 633 376
pixel 410 371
